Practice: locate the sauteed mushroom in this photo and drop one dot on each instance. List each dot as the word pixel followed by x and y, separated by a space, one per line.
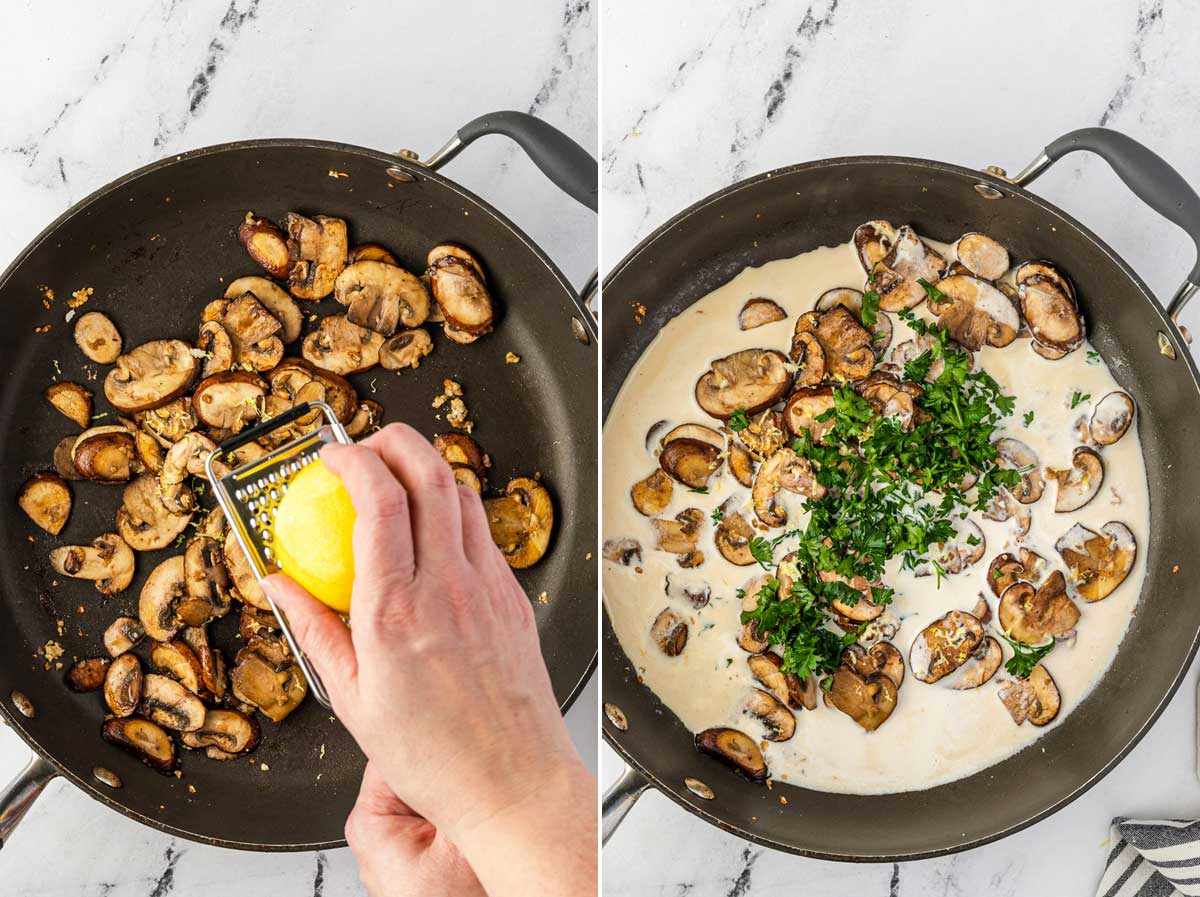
pixel 889 396
pixel 1031 615
pixel 381 297
pixel 98 337
pixel 979 668
pixel 741 464
pixel 169 704
pixel 752 380
pixel 521 522
pixel 1006 569
pixel 1016 455
pixel 690 461
pixel 177 660
pixel 317 249
pixel 881 657
pixel 1111 418
pixel 789 688
pixel 266 676
pixel 679 536
pixel 123 634
pixel 144 521
pixel 981 255
pixel 368 418
pixel 159 600
pixel 975 313
pixel 46 499
pixel 275 300
pixel 735 749
pixel 1080 483
pixel 105 454
pixel 341 346
pixel 804 407
pixel 783 470
pixel 63 465
pixel 778 720
pixel 652 495
pixel 765 436
pixel 697 432
pixel 457 281
pixel 142 738
pixel 732 538
pixel 749 638
pixel 405 349
pixel 108 562
pixel 217 348
pixel 843 352
pixel 224 734
pixel 669 632
pixel 1005 507
pixel 626 552
pixel 897 275
pixel 944 645
pixel 873 241
pixel 266 243
pixel 370 252
pixel 759 311
pixel 229 401
pixel 252 331
pixel 1035 699
pixel 238 565
pixel 1097 562
pixel 151 375
pixel 123 685
pixel 170 422
pixel 868 700
pixel 1049 310
pixel 87 674
pixel 72 401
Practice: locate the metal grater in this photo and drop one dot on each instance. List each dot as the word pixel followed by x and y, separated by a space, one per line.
pixel 249 495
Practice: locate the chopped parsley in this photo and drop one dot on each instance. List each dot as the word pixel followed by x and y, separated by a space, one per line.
pixel 717 514
pixel 1028 418
pixel 702 490
pixel 870 306
pixel 935 295
pixel 1077 397
pixel 1093 357
pixel 738 420
pixel 1025 657
pixel 763 551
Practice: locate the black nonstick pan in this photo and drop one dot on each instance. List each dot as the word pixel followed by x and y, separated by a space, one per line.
pixel 154 247
pixel 786 212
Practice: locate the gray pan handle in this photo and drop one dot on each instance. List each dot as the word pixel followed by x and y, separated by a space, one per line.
pixel 619 800
pixel 18 797
pixel 1150 178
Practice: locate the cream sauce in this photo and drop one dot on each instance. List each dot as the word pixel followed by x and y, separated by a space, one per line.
pixel 935 734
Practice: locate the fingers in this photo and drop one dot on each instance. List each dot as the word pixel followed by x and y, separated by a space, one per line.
pixel 376 797
pixel 429 482
pixel 321 634
pixel 481 551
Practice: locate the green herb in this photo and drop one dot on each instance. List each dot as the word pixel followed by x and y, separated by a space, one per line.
pixel 717 515
pixel 1025 657
pixel 1078 397
pixel 703 490
pixel 935 295
pixel 763 551
pixel 728 661
pixel 1093 357
pixel 1028 418
pixel 870 306
pixel 738 420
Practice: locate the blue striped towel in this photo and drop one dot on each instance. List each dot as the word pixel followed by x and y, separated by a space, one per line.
pixel 1152 858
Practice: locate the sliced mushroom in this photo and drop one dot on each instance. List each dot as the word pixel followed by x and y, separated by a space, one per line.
pixel 759 311
pixel 868 700
pixel 151 375
pixel 105 454
pixel 97 337
pixel 1047 272
pixel 1111 418
pixel 46 498
pixel 1097 562
pixel 144 521
pixel 979 668
pixel 266 676
pixel 898 274
pixel 170 704
pixel 873 241
pixel 72 401
pixel 88 674
pixel 1035 699
pixel 170 422
pixel 142 738
pixel 225 733
pixel 370 252
pixel 63 465
pixel 382 297
pixel 981 255
pixel 626 552
pixel 804 407
pixel 881 657
pixel 966 549
pixel 459 448
pixel 679 536
pixel 229 401
pixel 266 243
pixel 253 330
pixel 1050 313
pixel 975 313
pixel 160 597
pixel 240 571
pixel 108 562
pixel 851 300
pixel 752 380
pixel 341 346
pixel 789 688
pixel 670 632
pixel 186 457
pixel 405 349
pixel 891 397
pixel 177 660
pixel 690 461
pixel 123 634
pixel 1080 483
pixel 275 300
pixel 944 645
pixel 1006 570
pixel 750 638
pixel 764 436
pixel 696 593
pixel 780 723
pixel 1004 506
pixel 123 685
pixel 1016 455
pixel 862 610
pixel 783 470
pixel 209 587
pixel 652 495
pixel 732 538
pixel 458 284
pixel 521 522
pixel 846 352
pixel 1031 615
pixel 317 249
pixel 735 749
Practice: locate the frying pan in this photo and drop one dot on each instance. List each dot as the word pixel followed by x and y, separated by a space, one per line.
pixel 153 246
pixel 790 211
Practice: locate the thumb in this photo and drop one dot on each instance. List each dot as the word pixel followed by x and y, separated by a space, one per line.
pixel 321 634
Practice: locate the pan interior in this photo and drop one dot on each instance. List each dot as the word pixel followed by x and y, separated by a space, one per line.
pixel 154 249
pixel 793 211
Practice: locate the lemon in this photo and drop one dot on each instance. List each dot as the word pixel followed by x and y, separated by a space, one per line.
pixel 314 525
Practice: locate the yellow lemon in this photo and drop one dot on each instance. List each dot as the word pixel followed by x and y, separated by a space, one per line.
pixel 314 524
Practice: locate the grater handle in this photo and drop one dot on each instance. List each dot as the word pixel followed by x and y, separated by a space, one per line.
pixel 293 413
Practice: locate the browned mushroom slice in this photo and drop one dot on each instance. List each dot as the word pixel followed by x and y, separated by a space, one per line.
pixel 890 397
pixel 240 571
pixel 209 587
pixel 652 495
pixel 186 457
pixel 1016 455
pixel 87 674
pixel 851 300
pixel 1035 699
pixel 159 599
pixel 274 299
pixel 341 346
pixel 170 704
pixel 144 521
pixel 690 461
pixel 317 250
pixel 142 738
pixel 123 634
pixel 170 422
pixel 679 536
pixel 1050 313
pixel 789 688
pixel 1042 271
pixel 46 498
pixel 230 400
pixel 254 331
pixel 750 638
pixel 765 435
pixel 626 552
pixel 873 241
pixel 898 274
pixel 405 349
pixel 670 632
pixel 780 723
pixel 108 562
pixel 759 311
pixel 695 431
pixel 752 380
pixel 177 660
pixel 982 256
pixel 105 454
pixel 868 700
pixel 521 522
pixel 1111 418
pixel 1080 483
pixel 63 465
pixel 225 734
pixel 783 470
pixel 735 749
pixel 123 685
pixel 252 621
pixel 382 296
pixel 966 549
pixel 1006 569
pixel 845 347
pixel 72 401
pixel 151 375
pixel 1098 562
pixel 881 657
pixel 944 645
pixel 1005 507
pixel 975 313
pixel 459 448
pixel 266 243
pixel 732 538
pixel 267 676
pixel 979 668
pixel 1032 615
pixel 97 337
pixel 370 252
pixel 368 418
pixel 458 284
pixel 741 464
pixel 861 611
pixel 804 407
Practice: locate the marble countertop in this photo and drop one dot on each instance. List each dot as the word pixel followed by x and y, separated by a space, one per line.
pixel 94 92
pixel 743 88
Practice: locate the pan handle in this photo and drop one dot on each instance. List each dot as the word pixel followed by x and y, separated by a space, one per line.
pixel 619 800
pixel 1150 178
pixel 18 797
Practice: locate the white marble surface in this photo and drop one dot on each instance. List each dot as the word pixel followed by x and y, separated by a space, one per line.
pixel 746 87
pixel 92 90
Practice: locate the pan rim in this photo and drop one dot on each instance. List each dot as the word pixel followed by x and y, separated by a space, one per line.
pixel 14 720
pixel 1166 325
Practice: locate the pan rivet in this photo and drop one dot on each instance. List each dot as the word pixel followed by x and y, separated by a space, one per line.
pixel 698 788
pixel 987 191
pixel 399 174
pixel 107 776
pixel 616 716
pixel 23 704
pixel 997 171
pixel 1165 347
pixel 579 331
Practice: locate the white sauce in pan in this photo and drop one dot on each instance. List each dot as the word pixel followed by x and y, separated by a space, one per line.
pixel 935 734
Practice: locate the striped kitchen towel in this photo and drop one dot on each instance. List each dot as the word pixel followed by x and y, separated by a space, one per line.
pixel 1152 858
